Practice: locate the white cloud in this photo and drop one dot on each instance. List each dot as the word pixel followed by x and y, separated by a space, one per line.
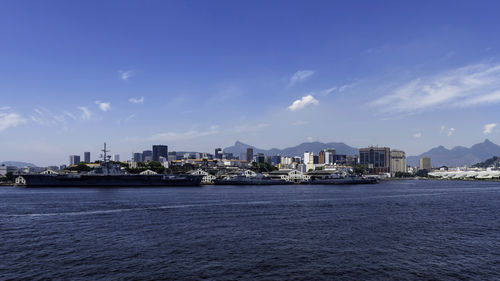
pixel 104 106
pixel 300 76
pixel 136 100
pixel 71 115
pixel 345 87
pixel 4 108
pixel 125 75
pixel 303 102
pixel 451 131
pixel 328 91
pixel 467 86
pixel 8 120
pixel 309 139
pixel 441 130
pixel 417 135
pixel 86 113
pixel 488 128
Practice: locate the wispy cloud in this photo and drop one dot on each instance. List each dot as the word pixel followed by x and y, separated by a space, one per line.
pixel 45 117
pixel 10 119
pixel 299 123
pixel 176 136
pixel 417 135
pixel 442 128
pixel 328 91
pixel 451 131
pixel 244 128
pixel 136 100
pixel 488 128
pixel 303 102
pixel 126 74
pixel 467 86
pixel 104 106
pixel 86 113
pixel 300 76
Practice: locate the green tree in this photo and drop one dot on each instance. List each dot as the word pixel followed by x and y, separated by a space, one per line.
pixel 360 169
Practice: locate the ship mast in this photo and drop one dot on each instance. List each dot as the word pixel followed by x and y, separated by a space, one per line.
pixel 105 156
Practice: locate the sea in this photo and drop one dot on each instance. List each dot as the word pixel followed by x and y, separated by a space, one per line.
pixel 395 230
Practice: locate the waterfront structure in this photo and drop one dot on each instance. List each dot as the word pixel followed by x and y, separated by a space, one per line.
pixel 398 162
pixel 377 159
pixel 74 160
pixel 160 151
pixel 289 175
pixel 250 155
pixel 425 164
pixel 86 157
pixel 137 157
pixel 207 178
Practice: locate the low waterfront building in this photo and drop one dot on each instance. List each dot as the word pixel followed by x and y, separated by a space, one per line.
pixel 148 172
pixel 207 178
pixel 289 175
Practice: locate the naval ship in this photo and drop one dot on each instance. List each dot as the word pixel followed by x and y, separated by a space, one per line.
pixel 107 174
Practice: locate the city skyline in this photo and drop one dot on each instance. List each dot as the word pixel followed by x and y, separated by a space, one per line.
pixel 197 76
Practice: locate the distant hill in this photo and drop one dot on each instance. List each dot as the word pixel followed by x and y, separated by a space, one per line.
pixel 298 150
pixel 17 164
pixel 458 156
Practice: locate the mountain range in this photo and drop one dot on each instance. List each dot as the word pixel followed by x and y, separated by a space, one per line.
pixel 17 164
pixel 440 156
pixel 458 156
pixel 298 150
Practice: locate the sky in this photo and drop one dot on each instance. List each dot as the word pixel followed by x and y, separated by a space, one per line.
pixel 197 75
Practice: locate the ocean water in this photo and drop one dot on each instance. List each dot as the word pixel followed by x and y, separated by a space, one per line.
pixel 396 230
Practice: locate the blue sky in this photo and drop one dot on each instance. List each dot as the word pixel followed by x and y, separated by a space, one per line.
pixel 196 75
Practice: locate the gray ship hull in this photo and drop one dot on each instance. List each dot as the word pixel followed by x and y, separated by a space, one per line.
pixel 107 180
pixel 251 182
pixel 345 181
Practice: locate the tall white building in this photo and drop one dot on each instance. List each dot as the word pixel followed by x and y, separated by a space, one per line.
pixel 398 161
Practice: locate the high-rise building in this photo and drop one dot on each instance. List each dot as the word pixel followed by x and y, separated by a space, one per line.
pixel 330 156
pixel 74 159
pixel 147 156
pixel 160 151
pixel 260 158
pixel 243 156
pixel 398 161
pixel 137 157
pixel 117 158
pixel 321 157
pixel 425 164
pixel 218 153
pixel 308 158
pixel 377 159
pixel 249 154
pixel 86 157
